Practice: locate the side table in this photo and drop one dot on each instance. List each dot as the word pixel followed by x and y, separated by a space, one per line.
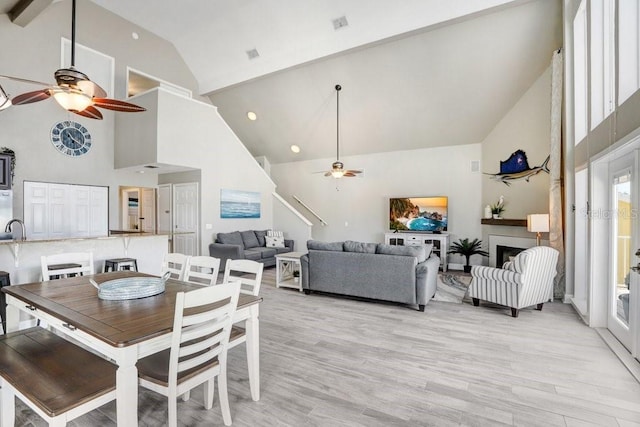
pixel 286 264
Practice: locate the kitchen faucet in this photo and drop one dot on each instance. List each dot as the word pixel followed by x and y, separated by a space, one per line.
pixel 8 229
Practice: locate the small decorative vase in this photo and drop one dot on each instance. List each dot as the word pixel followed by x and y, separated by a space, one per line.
pixel 466 269
pixel 496 216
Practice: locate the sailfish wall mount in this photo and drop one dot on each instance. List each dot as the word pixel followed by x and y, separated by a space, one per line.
pixel 516 168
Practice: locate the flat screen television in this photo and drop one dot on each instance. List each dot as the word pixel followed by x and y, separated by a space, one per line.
pixel 429 214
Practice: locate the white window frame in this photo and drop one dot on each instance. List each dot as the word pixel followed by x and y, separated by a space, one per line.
pixel 602 59
pixel 580 73
pixel 628 49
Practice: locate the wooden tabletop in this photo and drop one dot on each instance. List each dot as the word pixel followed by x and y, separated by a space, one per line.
pixel 118 323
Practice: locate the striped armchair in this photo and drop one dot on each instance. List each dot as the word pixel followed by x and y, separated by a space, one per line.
pixel 526 281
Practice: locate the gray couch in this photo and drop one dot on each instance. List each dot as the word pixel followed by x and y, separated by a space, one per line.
pixel 248 244
pixel 404 274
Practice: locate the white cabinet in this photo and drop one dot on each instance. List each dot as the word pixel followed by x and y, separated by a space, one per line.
pixel 440 243
pixel 53 211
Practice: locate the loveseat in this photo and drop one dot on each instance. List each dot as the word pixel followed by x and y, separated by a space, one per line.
pixel 403 274
pixel 250 244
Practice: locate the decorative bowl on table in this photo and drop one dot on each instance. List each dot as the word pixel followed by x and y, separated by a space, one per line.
pixel 128 288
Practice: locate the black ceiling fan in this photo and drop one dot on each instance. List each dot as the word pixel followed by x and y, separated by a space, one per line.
pixel 73 90
pixel 337 167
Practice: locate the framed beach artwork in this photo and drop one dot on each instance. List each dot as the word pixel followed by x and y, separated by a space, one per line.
pixel 239 204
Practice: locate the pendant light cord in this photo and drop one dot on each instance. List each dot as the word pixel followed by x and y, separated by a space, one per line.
pixel 338 88
pixel 73 33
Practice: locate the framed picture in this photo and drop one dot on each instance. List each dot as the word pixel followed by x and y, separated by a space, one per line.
pixel 239 204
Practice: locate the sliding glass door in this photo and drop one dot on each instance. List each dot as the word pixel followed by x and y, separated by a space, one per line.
pixel 622 250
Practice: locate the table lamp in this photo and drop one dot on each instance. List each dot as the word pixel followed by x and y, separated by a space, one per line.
pixel 538 223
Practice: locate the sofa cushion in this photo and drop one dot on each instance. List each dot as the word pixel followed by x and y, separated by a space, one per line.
pixel 427 250
pixel 414 251
pixel 260 234
pixel 249 239
pixel 324 246
pixel 233 238
pixel 367 248
pixel 253 254
pixel 283 250
pixel 274 242
pixel 266 252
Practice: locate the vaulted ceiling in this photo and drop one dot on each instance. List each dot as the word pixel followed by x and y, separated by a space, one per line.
pixel 415 74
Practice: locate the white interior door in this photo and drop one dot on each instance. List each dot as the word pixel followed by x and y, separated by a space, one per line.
pixel 185 218
pixel 164 208
pixel 148 210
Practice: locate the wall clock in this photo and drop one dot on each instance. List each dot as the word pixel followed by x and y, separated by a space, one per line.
pixel 70 138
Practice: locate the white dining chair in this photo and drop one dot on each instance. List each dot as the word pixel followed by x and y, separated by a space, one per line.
pixel 66 265
pixel 202 270
pixel 176 264
pixel 198 351
pixel 247 272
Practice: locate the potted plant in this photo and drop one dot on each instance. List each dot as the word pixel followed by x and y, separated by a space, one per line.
pixel 296 276
pixel 467 248
pixel 498 208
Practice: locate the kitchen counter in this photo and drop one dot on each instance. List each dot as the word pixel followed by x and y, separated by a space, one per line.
pixel 21 258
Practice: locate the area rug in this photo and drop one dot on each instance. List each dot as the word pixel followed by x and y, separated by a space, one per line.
pixel 452 286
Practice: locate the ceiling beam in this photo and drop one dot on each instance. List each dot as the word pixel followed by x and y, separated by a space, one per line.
pixel 26 11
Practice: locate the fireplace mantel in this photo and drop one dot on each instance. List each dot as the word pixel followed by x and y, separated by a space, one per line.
pixel 504 221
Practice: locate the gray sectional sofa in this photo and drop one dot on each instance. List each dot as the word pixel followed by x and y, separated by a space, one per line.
pixel 248 244
pixel 403 274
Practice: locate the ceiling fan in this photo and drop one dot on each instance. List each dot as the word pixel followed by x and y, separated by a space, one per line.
pixel 73 90
pixel 337 167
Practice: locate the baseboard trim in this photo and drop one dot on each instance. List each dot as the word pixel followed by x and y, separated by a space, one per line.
pixel 629 362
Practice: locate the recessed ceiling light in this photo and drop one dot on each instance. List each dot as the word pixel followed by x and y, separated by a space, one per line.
pixel 252 116
pixel 295 148
pixel 140 171
pixel 135 36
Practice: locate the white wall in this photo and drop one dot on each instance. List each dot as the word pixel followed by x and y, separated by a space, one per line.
pixel 190 133
pixel 358 208
pixel 33 52
pixel 296 225
pixel 526 126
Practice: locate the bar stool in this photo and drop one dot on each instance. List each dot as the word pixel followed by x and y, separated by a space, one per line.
pixel 4 281
pixel 119 264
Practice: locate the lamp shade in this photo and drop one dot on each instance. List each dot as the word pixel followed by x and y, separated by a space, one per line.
pixel 538 223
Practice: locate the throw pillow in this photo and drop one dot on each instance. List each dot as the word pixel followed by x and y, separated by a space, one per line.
pixel 233 238
pixel 519 262
pixel 249 239
pixel 275 233
pixel 414 251
pixel 274 241
pixel 260 235
pixel 367 248
pixel 324 246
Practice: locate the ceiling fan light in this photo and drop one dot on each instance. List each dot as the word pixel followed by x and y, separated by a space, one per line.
pixel 337 173
pixel 5 102
pixel 72 101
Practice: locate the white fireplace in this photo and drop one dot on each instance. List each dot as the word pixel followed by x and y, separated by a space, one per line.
pixel 496 240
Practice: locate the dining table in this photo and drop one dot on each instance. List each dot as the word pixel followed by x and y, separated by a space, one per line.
pixel 121 330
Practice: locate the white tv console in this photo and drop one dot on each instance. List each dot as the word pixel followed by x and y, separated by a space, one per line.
pixel 440 243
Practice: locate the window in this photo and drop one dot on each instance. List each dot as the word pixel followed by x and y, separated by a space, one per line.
pixel 628 48
pixel 580 72
pixel 602 59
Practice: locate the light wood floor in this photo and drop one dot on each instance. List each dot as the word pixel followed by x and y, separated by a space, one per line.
pixel 329 361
